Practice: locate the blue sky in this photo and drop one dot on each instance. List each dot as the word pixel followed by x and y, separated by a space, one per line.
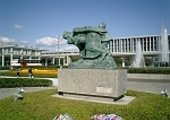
pixel 42 20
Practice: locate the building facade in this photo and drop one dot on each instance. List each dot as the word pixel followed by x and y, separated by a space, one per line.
pixel 156 48
pixel 14 55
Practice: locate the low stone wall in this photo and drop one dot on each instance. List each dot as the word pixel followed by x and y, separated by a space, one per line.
pixel 148 76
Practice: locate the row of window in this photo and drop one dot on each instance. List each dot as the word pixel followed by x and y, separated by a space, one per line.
pixel 28 61
pixel 19 52
pixel 130 44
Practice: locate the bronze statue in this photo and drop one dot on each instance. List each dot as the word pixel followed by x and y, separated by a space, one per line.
pixel 93 46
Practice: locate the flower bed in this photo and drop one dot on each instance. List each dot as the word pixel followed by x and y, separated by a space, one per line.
pixel 40 72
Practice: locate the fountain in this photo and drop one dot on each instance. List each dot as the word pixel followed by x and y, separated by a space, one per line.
pixel 163 47
pixel 139 58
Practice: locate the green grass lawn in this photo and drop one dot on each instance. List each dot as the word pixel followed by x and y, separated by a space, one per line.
pixel 41 106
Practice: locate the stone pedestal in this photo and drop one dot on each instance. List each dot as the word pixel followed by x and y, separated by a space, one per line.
pixel 95 84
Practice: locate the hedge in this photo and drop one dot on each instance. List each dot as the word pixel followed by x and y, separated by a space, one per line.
pixel 149 70
pixel 36 67
pixel 24 82
pixel 4 68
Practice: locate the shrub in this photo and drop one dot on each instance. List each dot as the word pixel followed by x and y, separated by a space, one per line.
pixel 24 82
pixel 149 70
pixel 4 68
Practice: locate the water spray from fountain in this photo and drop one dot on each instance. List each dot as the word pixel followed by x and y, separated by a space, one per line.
pixel 163 47
pixel 139 58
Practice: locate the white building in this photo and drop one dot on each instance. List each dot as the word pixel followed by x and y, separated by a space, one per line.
pixel 15 55
pixel 156 48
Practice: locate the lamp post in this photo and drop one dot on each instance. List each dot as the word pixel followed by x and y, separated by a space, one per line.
pixel 58 45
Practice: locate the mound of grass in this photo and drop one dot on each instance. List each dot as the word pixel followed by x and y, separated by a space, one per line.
pixel 41 106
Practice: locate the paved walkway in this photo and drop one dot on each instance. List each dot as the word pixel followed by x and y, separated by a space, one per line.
pixel 150 86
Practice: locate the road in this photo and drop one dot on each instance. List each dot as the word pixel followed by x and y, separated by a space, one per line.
pixel 151 86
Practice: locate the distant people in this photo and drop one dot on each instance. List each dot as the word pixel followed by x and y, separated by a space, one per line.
pixel 18 73
pixel 30 74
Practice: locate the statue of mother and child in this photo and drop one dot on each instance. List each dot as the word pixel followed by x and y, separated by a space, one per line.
pixel 92 43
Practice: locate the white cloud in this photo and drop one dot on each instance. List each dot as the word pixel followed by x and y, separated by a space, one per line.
pixel 17 26
pixel 10 41
pixel 47 43
pixel 51 44
pixel 70 48
pixel 50 41
pixel 6 39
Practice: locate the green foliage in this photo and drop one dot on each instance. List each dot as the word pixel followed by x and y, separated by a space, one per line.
pixel 41 106
pixel 4 68
pixel 37 67
pixel 149 70
pixel 24 82
pixel 7 73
